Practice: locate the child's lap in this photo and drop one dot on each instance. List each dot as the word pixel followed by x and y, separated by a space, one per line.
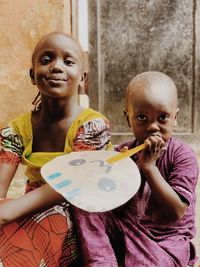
pixel 141 247
pixel 46 237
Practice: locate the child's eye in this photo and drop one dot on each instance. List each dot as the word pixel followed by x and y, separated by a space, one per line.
pixel 141 118
pixel 163 117
pixel 68 61
pixel 45 60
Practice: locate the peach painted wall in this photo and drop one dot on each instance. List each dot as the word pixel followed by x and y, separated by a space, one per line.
pixel 22 23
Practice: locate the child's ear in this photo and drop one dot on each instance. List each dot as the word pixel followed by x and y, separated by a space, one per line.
pixel 83 79
pixel 175 121
pixel 127 117
pixel 31 73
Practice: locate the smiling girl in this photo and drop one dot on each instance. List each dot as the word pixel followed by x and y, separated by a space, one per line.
pixel 36 229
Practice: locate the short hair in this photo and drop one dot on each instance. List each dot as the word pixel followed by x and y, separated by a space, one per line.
pixel 37 102
pixel 46 36
pixel 148 79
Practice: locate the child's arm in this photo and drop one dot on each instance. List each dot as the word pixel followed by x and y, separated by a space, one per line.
pixel 11 149
pixel 44 196
pixel 7 172
pixel 32 202
pixel 168 200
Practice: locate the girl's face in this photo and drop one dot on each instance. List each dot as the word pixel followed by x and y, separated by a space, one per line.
pixel 152 113
pixel 57 66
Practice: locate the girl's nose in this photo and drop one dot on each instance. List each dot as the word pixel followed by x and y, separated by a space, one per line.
pixel 56 66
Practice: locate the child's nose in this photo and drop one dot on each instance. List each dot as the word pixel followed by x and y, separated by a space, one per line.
pixel 56 66
pixel 153 127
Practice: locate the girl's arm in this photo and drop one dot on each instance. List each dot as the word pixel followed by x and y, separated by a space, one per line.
pixel 7 172
pixel 32 202
pixel 11 149
pixel 44 196
pixel 168 200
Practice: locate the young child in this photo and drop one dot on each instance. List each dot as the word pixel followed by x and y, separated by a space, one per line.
pixel 36 229
pixel 156 226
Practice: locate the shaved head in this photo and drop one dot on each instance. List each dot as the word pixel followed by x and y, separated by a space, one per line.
pixel 154 84
pixel 151 105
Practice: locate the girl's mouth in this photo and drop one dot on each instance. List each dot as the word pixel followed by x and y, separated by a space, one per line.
pixel 55 78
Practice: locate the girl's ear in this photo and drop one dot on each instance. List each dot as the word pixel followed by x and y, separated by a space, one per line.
pixel 83 99
pixel 83 79
pixel 31 73
pixel 127 117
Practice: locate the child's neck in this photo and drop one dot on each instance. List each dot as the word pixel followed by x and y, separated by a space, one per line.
pixel 55 111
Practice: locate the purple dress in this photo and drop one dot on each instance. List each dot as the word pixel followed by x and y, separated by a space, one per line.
pixel 138 233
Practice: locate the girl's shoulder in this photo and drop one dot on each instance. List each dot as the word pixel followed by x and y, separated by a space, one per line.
pixel 22 126
pixel 89 114
pixel 90 130
pixel 21 119
pixel 87 117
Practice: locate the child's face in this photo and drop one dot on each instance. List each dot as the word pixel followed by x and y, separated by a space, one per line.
pixel 57 69
pixel 152 112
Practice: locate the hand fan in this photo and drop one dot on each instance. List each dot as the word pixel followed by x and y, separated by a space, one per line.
pixel 89 182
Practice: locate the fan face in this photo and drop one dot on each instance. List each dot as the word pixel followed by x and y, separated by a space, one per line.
pixel 87 181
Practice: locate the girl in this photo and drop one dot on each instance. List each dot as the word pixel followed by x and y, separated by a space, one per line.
pixel 40 232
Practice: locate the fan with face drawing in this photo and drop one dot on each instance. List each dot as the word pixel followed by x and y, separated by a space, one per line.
pixel 87 181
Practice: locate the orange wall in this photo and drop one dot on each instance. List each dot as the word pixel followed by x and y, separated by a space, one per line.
pixel 22 23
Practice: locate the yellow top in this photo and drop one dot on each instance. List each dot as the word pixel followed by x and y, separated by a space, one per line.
pixel 89 131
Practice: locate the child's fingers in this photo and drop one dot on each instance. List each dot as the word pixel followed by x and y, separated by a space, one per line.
pixel 163 148
pixel 124 149
pixel 147 143
pixel 155 143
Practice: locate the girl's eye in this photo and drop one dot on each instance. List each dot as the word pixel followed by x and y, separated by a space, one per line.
pixel 68 61
pixel 163 117
pixel 45 60
pixel 141 118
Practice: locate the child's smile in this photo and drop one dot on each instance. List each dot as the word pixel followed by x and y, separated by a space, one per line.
pixel 55 80
pixel 58 67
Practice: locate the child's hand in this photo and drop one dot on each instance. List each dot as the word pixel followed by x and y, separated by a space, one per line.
pixel 123 149
pixel 9 210
pixel 154 146
pixel 4 212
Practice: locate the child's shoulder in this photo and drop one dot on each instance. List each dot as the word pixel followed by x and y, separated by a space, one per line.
pixel 90 116
pixel 175 144
pixel 22 124
pixel 22 118
pixel 180 151
pixel 90 113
